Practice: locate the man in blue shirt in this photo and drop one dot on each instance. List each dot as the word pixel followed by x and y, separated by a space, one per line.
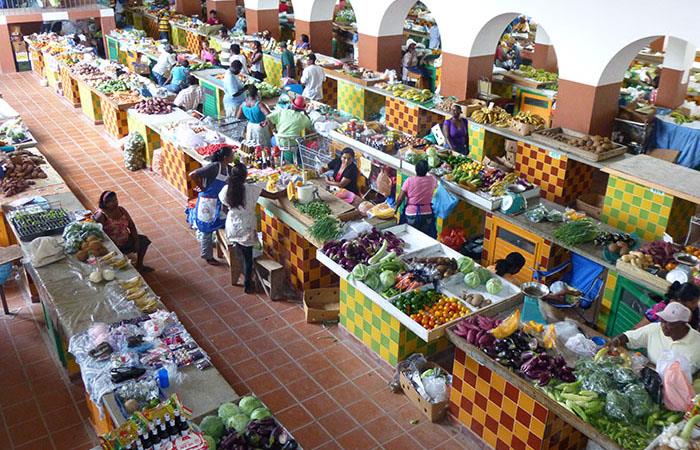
pixel 178 76
pixel 233 89
pixel 435 41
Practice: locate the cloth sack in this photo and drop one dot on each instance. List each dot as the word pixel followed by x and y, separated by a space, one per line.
pixel 45 250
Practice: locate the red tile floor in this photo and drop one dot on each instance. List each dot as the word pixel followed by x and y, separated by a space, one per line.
pixel 315 379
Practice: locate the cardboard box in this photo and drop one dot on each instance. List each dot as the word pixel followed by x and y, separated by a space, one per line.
pixel 433 411
pixel 20 47
pixel 322 305
pixel 522 129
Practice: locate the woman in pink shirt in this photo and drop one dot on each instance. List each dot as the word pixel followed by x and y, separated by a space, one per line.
pixel 418 193
pixel 208 54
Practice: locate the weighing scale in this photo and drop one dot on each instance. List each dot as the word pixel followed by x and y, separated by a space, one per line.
pixel 534 293
pixel 513 203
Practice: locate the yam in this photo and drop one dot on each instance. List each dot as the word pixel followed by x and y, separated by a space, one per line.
pixel 100 251
pixel 82 255
pixel 94 245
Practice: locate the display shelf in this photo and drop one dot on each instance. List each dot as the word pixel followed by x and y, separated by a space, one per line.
pixel 90 103
pixel 149 125
pixel 69 87
pixel 114 116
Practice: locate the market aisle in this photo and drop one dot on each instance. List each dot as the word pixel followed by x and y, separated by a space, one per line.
pixel 313 378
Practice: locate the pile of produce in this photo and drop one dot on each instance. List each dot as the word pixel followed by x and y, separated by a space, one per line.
pixel 499 181
pixel 429 308
pixel 359 250
pixel 325 228
pixel 495 116
pixel 154 106
pixel 267 90
pixel 134 151
pixel 409 93
pixel 540 75
pixel 446 104
pixel 577 232
pixel 92 245
pixel 594 144
pixel 467 174
pixel 111 86
pixel 136 291
pixel 661 252
pixel 620 239
pixel 431 269
pixel 638 259
pixel 210 149
pixel 475 300
pixel 126 97
pixel 76 233
pixel 85 70
pixel 13 132
pixel 380 271
pixel 529 118
pixel 21 166
pixel 248 424
pixel 680 118
pixel 200 66
pixel 315 209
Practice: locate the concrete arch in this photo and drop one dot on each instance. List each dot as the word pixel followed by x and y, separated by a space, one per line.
pixel 314 10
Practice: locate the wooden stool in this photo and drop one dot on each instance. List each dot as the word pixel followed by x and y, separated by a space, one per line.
pixel 227 251
pixel 271 276
pixel 417 80
pixel 8 255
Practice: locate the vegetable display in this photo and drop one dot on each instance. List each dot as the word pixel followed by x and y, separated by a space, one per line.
pixel 577 232
pixel 111 86
pixel 325 228
pixel 359 250
pixel 315 209
pixel 21 166
pixel 154 106
pixel 429 308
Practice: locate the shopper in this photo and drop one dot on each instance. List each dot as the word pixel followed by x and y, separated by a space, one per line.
pixel 121 229
pixel 257 70
pixel 213 18
pixel 304 44
pixel 288 63
pixel 312 79
pixel 455 131
pixel 166 60
pixel 418 193
pixel 240 198
pixel 207 215
pixel 236 56
pixel 233 89
pixel 434 33
pixel 289 125
pixel 178 76
pixel 240 26
pixel 257 133
pixel 672 332
pixel 208 54
pixel 191 97
pixel 344 171
pixel 686 293
pixel 509 266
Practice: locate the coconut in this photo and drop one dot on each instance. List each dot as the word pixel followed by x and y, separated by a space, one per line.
pixel 82 255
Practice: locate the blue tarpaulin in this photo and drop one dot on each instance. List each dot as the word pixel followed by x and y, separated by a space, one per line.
pixel 684 138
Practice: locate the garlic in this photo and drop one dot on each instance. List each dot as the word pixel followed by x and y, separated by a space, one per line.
pixel 108 274
pixel 96 276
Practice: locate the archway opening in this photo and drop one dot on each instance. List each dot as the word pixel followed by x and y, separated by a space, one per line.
pixel 421 50
pixel 344 46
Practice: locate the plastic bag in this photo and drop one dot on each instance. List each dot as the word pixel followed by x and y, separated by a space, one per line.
pixel 678 391
pixel 453 238
pixel 667 358
pixel 436 387
pixel 617 405
pixel 384 183
pixel 639 400
pixel 134 149
pixel 581 345
pixel 566 329
pixel 412 363
pixel 443 202
pixel 652 383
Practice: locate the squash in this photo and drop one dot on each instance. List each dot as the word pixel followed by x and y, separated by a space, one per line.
pixel 291 192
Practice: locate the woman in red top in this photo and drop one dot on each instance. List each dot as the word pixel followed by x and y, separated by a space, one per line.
pixel 117 224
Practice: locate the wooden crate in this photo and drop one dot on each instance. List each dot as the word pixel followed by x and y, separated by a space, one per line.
pixel 537 136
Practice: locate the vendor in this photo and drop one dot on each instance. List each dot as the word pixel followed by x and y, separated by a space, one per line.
pixel 190 98
pixel 178 77
pixel 434 34
pixel 411 62
pixel 671 332
pixel 455 131
pixel 166 60
pixel 256 68
pixel 213 18
pixel 233 89
pixel 312 79
pixel 208 54
pixel 290 124
pixel 687 294
pixel 240 25
pixel 342 172
pixel 236 56
pixel 120 228
pixel 418 193
pixel 304 44
pixel 257 133
pixel 207 215
pixel 509 266
pixel 241 198
pixel 288 63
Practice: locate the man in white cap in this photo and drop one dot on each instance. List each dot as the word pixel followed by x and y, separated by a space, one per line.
pixel 672 332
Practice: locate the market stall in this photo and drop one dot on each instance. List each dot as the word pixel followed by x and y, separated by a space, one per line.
pixel 149 126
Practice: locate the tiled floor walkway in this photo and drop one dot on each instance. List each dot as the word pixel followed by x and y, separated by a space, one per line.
pixel 316 380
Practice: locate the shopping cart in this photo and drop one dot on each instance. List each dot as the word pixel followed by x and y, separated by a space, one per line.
pixel 314 152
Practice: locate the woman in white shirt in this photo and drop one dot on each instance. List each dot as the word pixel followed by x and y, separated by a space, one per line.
pixel 241 228
pixel 166 60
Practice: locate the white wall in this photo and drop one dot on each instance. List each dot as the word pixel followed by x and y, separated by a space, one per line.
pixel 595 40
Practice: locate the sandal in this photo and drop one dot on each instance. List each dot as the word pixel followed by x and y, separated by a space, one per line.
pixel 213 262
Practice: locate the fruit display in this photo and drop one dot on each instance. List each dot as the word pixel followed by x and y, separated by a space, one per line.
pixel 201 66
pixel 467 174
pixel 111 86
pixel 429 308
pixel 529 118
pixel 446 104
pixel 115 260
pixel 593 144
pixel 540 75
pixel 680 118
pixel 92 245
pixel 267 90
pixel 21 167
pixel 498 188
pixel 495 116
pixel 136 291
pixel 409 93
pixel 637 259
pixel 154 106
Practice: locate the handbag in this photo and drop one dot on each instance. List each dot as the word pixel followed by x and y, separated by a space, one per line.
pixel 443 202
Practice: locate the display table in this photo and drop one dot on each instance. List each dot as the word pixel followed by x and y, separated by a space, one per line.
pixel 149 125
pixel 213 104
pixel 69 87
pixel 684 138
pixel 90 103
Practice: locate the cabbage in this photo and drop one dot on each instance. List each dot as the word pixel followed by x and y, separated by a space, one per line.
pixel 226 410
pixel 238 422
pixel 211 443
pixel 387 279
pixel 212 426
pixel 484 274
pixel 432 151
pixel 248 404
pixel 494 286
pixel 465 264
pixel 472 280
pixel 260 413
pixel 372 281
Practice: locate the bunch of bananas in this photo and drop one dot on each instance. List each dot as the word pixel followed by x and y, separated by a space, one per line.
pixel 409 93
pixel 135 291
pixel 499 187
pixel 495 116
pixel 538 74
pixel 680 118
pixel 117 261
pixel 529 118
